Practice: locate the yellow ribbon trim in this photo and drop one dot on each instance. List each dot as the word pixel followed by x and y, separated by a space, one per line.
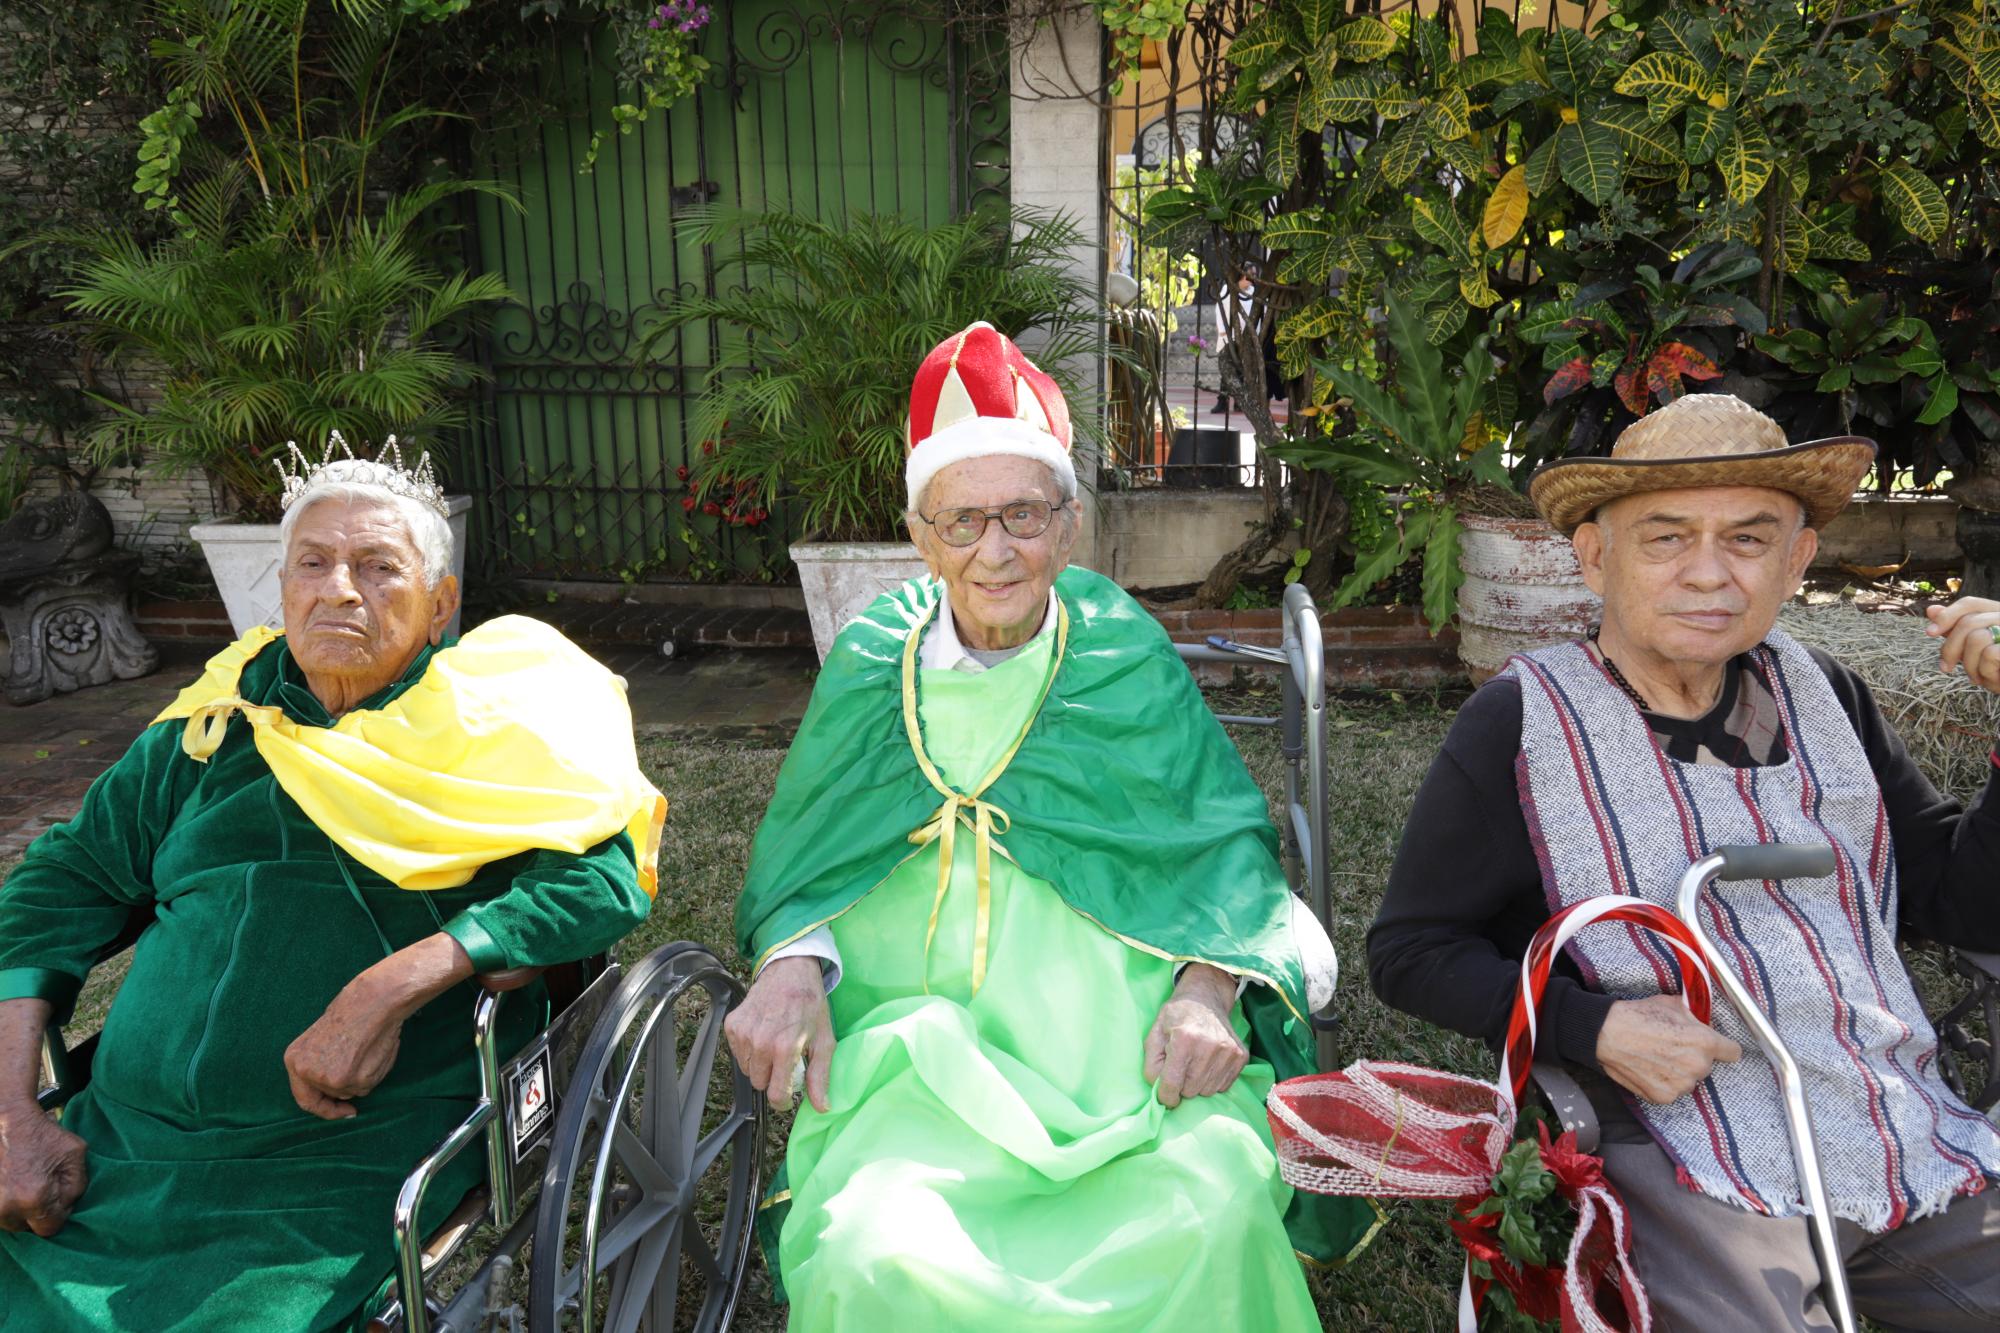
pixel 986 820
pixel 513 740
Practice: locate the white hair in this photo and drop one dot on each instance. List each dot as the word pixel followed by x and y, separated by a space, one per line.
pixel 357 481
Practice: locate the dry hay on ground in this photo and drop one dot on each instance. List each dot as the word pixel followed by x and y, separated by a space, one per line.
pixel 1947 722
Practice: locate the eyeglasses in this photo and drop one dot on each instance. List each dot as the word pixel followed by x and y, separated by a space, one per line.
pixel 1021 518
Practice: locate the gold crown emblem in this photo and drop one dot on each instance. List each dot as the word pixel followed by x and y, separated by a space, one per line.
pixel 386 470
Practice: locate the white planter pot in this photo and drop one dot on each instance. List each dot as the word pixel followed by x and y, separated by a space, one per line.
pixel 1523 590
pixel 244 559
pixel 840 579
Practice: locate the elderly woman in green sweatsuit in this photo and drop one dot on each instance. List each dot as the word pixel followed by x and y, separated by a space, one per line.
pixel 333 830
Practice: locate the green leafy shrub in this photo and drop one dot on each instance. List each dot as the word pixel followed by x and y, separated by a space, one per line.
pixel 296 295
pixel 822 327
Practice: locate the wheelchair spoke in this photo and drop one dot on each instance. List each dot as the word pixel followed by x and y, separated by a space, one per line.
pixel 647 1172
pixel 633 1231
pixel 703 1256
pixel 694 1078
pixel 653 1287
pixel 716 1140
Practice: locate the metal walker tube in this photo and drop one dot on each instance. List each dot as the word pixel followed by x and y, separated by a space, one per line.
pixel 1777 861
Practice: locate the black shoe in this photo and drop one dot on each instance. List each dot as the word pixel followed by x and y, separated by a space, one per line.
pixel 1221 405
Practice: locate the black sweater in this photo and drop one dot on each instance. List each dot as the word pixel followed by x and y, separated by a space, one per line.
pixel 1465 895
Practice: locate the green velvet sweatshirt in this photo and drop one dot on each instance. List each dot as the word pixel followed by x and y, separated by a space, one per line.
pixel 214 1201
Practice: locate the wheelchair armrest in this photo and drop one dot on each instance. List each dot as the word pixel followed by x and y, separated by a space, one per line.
pixel 506 979
pixel 1566 1099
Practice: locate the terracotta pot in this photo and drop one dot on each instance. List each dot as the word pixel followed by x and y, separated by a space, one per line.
pixel 1523 590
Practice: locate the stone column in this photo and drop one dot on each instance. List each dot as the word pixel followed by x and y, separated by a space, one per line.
pixel 1057 164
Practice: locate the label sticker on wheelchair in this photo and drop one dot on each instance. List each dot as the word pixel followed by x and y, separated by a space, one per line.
pixel 534 1101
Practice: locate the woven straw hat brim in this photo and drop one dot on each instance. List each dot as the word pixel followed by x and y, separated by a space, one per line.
pixel 1823 474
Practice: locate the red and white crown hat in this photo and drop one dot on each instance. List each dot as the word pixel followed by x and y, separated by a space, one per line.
pixel 976 395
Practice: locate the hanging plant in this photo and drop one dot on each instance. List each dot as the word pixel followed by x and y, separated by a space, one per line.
pixel 657 56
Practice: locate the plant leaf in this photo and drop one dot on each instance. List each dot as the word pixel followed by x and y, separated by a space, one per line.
pixel 1540 170
pixel 1570 377
pixel 1440 225
pixel 1591 159
pixel 1442 320
pixel 1364 38
pixel 1572 60
pixel 1916 201
pixel 1350 97
pixel 1506 208
pixel 1645 139
pixel 1451 113
pixel 1441 572
pixel 1745 161
pixel 1397 156
pixel 1665 79
pixel 1705 131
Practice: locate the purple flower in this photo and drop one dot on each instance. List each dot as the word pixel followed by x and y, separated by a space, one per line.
pixel 652 23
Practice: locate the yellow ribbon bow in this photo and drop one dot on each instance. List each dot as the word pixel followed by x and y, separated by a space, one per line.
pixel 986 820
pixel 943 830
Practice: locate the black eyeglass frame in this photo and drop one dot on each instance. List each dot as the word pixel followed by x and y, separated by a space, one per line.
pixel 988 515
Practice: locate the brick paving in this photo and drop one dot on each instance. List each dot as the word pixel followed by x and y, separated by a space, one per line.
pixel 50 752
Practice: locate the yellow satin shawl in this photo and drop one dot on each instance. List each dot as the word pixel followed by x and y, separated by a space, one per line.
pixel 514 739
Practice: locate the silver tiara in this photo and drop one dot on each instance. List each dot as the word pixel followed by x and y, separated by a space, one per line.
pixel 387 471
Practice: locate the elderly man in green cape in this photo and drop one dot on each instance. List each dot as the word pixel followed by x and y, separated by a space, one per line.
pixel 333 830
pixel 1020 928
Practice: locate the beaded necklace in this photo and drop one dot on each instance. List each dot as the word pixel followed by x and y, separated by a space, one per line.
pixel 1618 677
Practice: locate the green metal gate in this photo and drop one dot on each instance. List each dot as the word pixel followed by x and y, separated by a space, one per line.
pixel 575 452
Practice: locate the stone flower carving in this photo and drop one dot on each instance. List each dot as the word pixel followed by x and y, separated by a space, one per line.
pixel 72 630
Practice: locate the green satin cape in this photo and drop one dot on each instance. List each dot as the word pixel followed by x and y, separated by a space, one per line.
pixel 1124 793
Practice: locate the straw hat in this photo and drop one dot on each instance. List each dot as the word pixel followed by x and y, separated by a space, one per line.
pixel 1704 439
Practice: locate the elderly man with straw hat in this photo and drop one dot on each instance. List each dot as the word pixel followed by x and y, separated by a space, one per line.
pixel 1684 722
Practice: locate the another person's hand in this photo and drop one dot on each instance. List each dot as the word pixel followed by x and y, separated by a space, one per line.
pixel 1656 1049
pixel 42 1171
pixel 783 1018
pixel 1192 1050
pixel 1966 628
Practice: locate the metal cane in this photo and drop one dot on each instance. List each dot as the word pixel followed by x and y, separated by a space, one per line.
pixel 1777 861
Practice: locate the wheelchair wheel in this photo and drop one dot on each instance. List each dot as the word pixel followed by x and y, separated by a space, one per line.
pixel 648 1203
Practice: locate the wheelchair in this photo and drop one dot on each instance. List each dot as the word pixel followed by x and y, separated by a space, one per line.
pixel 605 1141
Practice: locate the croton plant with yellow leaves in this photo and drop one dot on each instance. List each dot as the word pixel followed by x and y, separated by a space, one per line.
pixel 1675 194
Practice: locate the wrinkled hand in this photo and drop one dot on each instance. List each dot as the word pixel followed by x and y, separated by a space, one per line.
pixel 783 1017
pixel 1656 1049
pixel 347 1051
pixel 1192 1050
pixel 1966 628
pixel 42 1172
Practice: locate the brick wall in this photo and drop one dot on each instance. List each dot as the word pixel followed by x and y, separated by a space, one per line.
pixel 1367 647
pixel 183 620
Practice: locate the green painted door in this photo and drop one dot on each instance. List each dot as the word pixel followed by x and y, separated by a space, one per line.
pixel 579 442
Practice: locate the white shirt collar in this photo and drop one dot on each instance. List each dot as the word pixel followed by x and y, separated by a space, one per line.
pixel 942 649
